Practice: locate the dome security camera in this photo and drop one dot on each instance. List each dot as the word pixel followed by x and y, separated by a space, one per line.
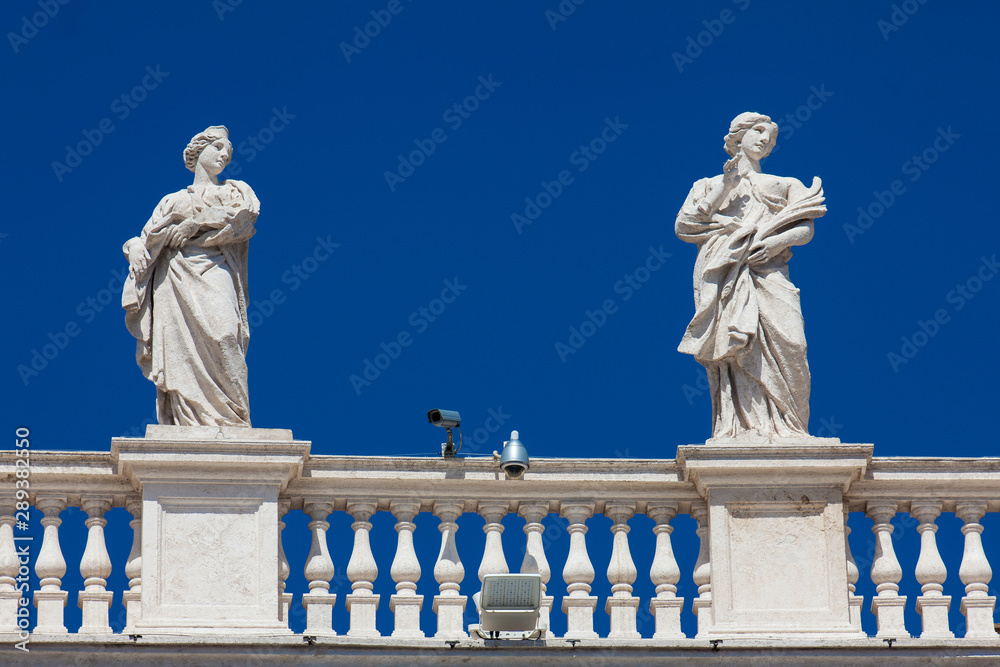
pixel 514 458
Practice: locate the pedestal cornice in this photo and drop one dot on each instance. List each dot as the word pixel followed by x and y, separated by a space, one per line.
pixel 218 454
pixel 724 465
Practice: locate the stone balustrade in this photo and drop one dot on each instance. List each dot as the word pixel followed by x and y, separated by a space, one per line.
pixel 581 492
pixel 924 488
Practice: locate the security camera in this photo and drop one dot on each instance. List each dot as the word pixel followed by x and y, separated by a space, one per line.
pixel 514 458
pixel 447 419
pixel 444 418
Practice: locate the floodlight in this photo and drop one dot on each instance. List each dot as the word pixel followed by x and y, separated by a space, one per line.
pixel 509 603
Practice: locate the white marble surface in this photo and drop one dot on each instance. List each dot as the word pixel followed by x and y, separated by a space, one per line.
pixel 210 555
pixel 776 520
pixel 747 330
pixel 186 294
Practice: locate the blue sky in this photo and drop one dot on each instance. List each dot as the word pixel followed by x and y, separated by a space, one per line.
pixel 601 117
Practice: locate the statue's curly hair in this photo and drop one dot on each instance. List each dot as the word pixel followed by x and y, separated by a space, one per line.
pixel 200 141
pixel 739 127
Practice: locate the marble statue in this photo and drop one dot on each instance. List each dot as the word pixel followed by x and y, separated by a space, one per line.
pixel 186 294
pixel 747 330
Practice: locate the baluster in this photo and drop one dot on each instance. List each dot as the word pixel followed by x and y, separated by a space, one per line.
pixel 975 573
pixel 578 604
pixel 285 599
pixel 664 573
pixel 931 573
pixel 535 561
pixel 449 572
pixel 854 601
pixel 886 572
pixel 493 562
pixel 132 598
pixel 622 605
pixel 95 568
pixel 405 571
pixel 10 568
pixel 362 571
pixel 702 575
pixel 318 602
pixel 50 568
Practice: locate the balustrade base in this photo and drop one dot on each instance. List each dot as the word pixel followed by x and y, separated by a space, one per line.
pixel 132 599
pixel 933 612
pixel 362 609
pixel 667 615
pixel 622 612
pixel 9 603
pixel 50 605
pixel 978 612
pixel 889 614
pixel 580 616
pixel 319 613
pixel 702 609
pixel 406 609
pixel 855 604
pixel 544 614
pixel 450 610
pixel 96 606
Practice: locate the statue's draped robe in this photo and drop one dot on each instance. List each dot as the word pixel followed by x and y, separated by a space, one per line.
pixel 188 311
pixel 747 330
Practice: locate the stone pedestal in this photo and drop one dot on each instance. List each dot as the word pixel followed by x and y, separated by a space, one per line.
pixel 580 616
pixel 210 559
pixel 406 609
pixel 776 526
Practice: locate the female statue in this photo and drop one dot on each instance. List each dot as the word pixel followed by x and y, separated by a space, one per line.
pixel 747 330
pixel 186 294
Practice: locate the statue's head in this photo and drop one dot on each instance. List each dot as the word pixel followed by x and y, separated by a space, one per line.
pixel 220 150
pixel 753 133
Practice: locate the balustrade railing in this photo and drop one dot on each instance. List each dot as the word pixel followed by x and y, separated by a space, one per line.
pixel 924 489
pixel 579 491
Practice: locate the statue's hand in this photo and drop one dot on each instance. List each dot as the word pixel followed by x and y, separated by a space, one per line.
pixel 179 234
pixel 731 174
pixel 763 252
pixel 138 260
